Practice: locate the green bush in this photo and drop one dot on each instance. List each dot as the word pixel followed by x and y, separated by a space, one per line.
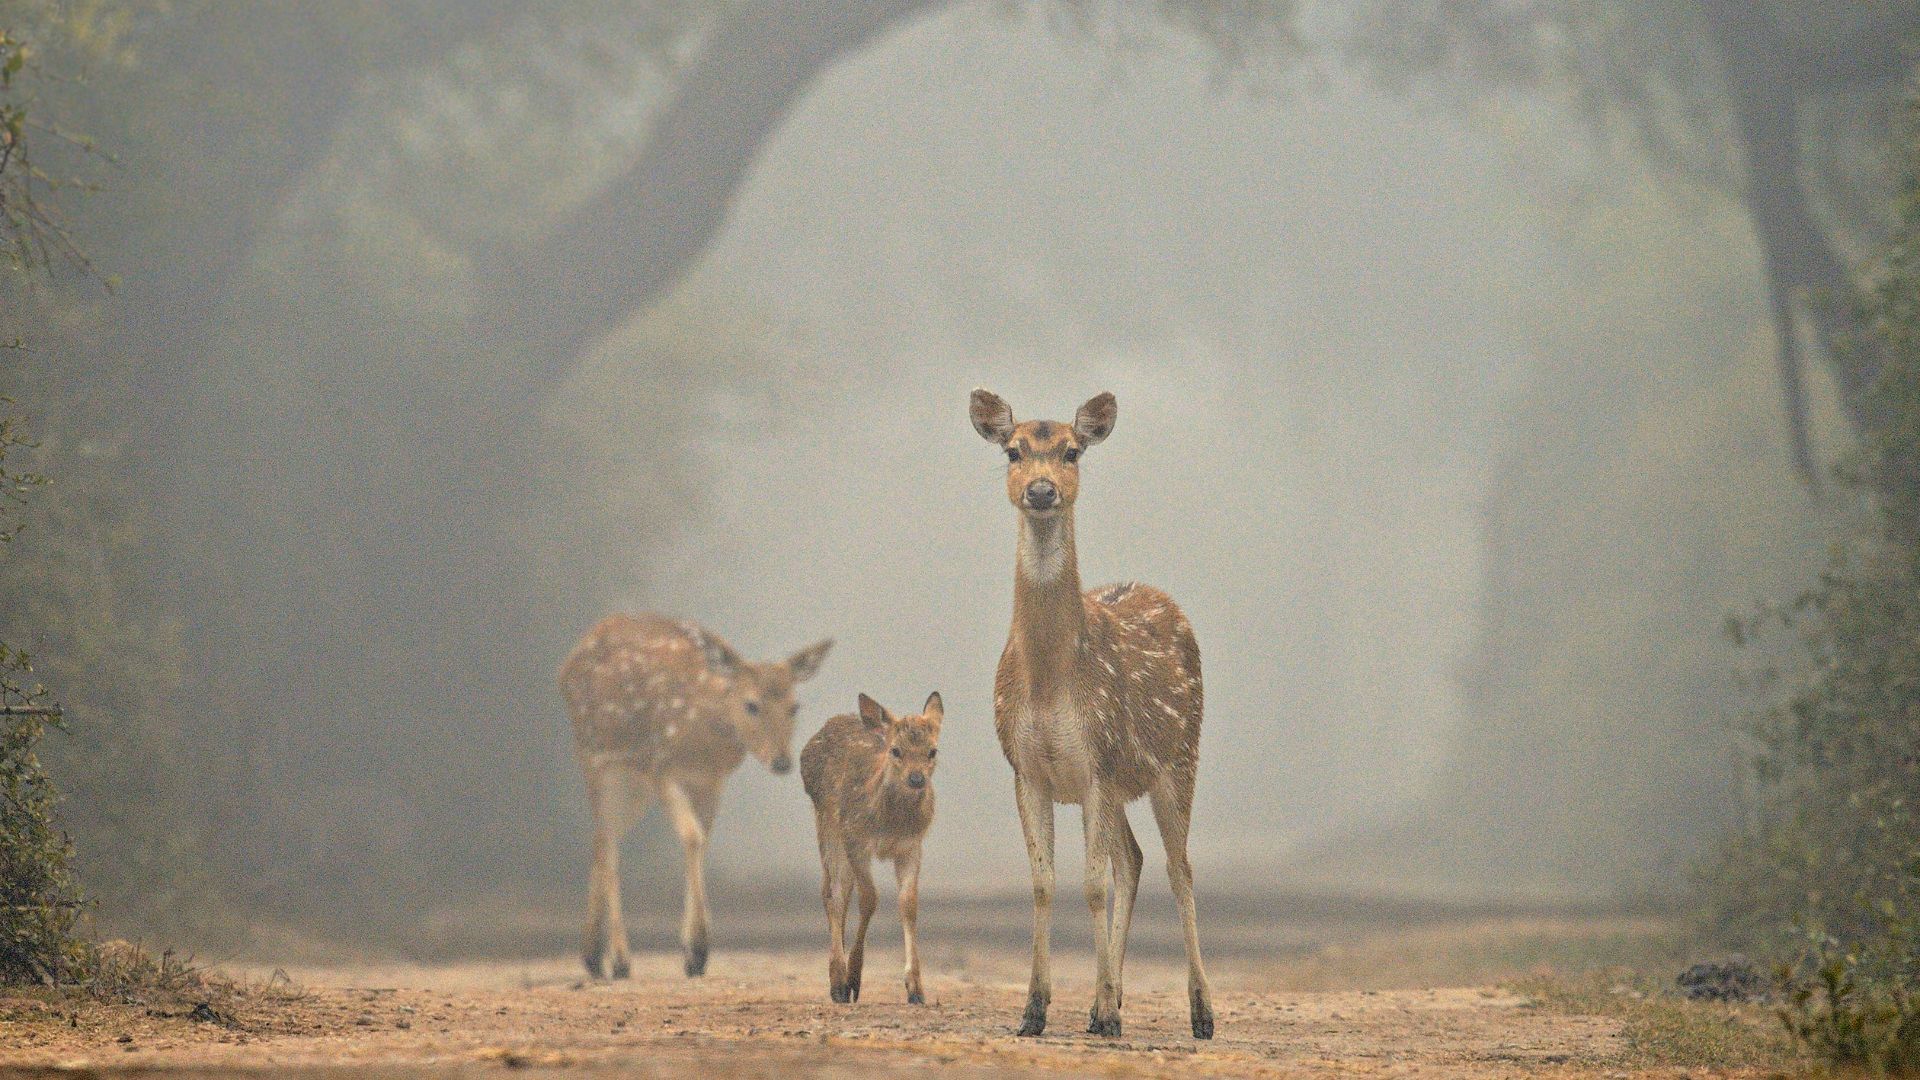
pixel 39 902
pixel 1827 873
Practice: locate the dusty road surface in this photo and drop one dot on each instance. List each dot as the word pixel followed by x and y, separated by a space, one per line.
pixel 1379 1004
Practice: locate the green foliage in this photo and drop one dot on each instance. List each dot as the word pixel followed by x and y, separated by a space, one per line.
pixel 106 649
pixel 1857 1007
pixel 1828 871
pixel 39 901
pixel 31 234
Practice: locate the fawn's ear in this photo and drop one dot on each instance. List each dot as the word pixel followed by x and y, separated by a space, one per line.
pixel 992 417
pixel 873 714
pixel 934 710
pixel 805 664
pixel 1094 421
pixel 720 657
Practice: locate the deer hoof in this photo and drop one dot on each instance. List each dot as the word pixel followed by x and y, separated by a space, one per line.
pixel 1203 1023
pixel 1108 1028
pixel 621 969
pixel 696 963
pixel 915 997
pixel 838 991
pixel 1034 1021
pixel 595 967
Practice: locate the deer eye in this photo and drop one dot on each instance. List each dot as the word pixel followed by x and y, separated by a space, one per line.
pixel 753 708
pixel 1013 453
pixel 1073 454
pixel 896 751
pixel 934 753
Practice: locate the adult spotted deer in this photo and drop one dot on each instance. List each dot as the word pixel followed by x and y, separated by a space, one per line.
pixel 664 709
pixel 1097 702
pixel 870 777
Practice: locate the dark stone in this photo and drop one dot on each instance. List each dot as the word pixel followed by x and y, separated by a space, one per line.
pixel 1732 979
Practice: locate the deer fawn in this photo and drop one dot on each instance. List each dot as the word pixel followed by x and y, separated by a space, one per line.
pixel 666 710
pixel 1097 702
pixel 871 781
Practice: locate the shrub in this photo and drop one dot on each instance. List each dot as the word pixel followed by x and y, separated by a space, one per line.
pixel 39 902
pixel 1828 872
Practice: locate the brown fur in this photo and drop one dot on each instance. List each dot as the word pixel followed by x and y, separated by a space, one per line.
pixel 859 771
pixel 1097 701
pixel 665 709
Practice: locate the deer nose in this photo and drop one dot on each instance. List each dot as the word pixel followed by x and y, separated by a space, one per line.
pixel 1041 494
pixel 782 765
pixel 916 780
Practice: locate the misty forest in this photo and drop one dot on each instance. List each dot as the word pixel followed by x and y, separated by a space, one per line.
pixel 1519 398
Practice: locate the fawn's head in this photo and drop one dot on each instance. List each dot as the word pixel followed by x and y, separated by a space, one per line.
pixel 909 743
pixel 1043 456
pixel 758 701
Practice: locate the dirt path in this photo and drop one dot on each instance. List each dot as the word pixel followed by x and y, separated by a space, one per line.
pixel 767 1013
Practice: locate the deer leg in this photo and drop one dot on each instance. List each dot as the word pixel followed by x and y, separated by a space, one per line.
pixel 706 807
pixel 906 874
pixel 836 887
pixel 1096 816
pixel 1036 822
pixel 1126 887
pixel 1172 811
pixel 616 800
pixel 869 900
pixel 593 951
pixel 693 840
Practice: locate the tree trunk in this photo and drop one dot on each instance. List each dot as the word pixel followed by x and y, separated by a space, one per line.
pixel 1802 267
pixel 629 245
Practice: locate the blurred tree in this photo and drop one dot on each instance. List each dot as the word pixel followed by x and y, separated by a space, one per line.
pixel 74 588
pixel 383 236
pixel 1826 869
pixel 1789 104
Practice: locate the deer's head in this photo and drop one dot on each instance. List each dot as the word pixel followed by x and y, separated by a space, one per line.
pixel 758 700
pixel 1043 456
pixel 908 743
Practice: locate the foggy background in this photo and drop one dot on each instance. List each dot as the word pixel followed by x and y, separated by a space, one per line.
pixel 1452 420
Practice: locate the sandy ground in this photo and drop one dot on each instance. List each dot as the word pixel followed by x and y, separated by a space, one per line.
pixel 1354 1008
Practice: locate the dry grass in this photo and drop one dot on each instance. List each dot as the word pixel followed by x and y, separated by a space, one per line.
pixel 1662 1028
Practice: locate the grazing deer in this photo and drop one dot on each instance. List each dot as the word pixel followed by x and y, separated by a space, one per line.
pixel 666 710
pixel 871 781
pixel 1097 702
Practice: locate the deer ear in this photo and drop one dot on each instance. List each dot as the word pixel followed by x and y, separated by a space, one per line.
pixel 992 417
pixel 935 709
pixel 720 657
pixel 805 664
pixel 1094 421
pixel 873 714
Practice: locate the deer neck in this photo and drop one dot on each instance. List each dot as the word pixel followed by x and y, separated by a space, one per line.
pixel 1049 619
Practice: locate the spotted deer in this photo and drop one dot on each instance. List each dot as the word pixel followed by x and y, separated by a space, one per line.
pixel 870 777
pixel 1097 701
pixel 664 709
